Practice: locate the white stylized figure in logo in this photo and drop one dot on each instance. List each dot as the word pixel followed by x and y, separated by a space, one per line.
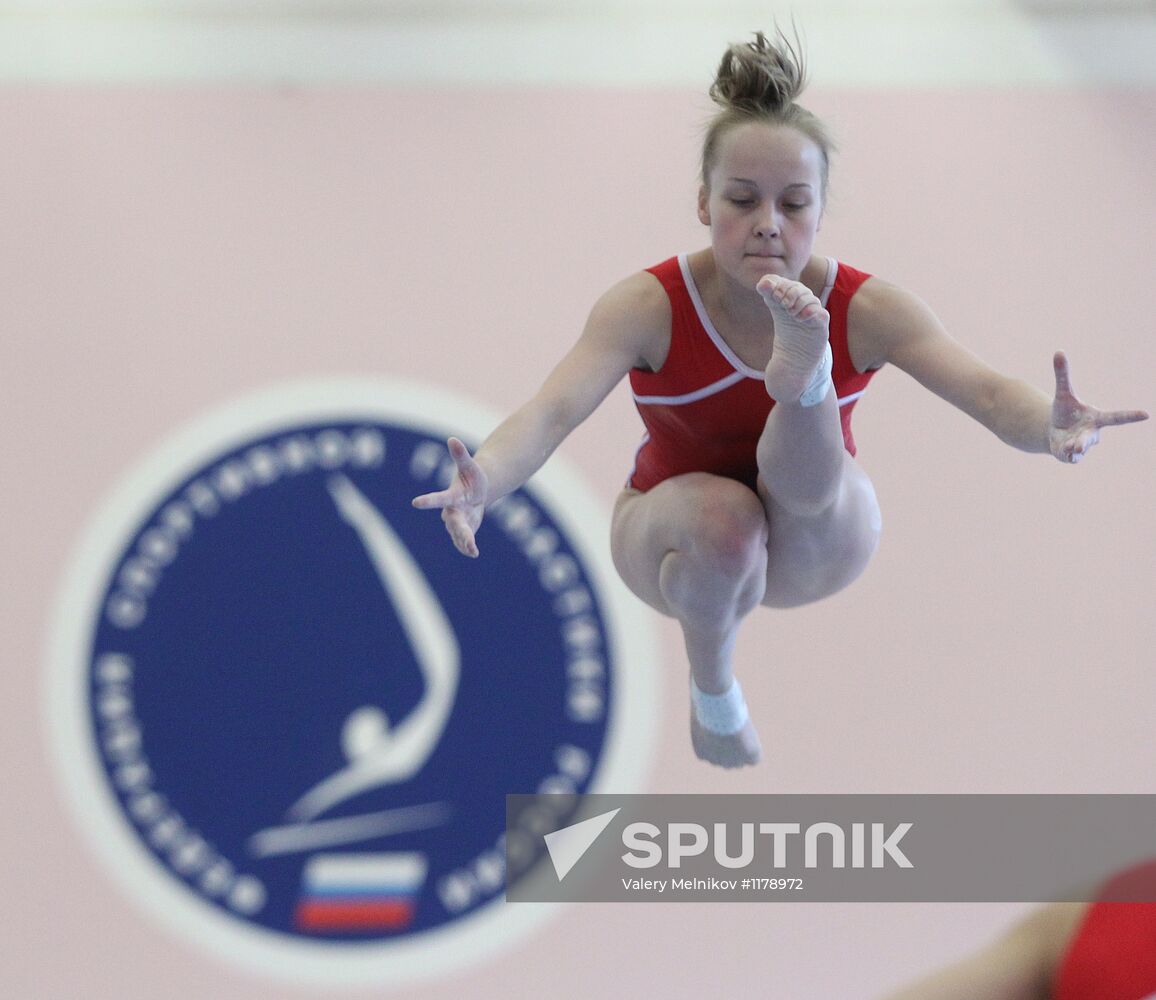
pixel 379 751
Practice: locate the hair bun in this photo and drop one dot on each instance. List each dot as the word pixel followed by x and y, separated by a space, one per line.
pixel 760 77
pixel 759 81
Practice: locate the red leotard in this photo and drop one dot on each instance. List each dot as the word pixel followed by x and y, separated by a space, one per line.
pixel 705 410
pixel 1112 955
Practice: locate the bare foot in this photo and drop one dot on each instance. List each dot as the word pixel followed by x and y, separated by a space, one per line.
pixel 737 750
pixel 801 331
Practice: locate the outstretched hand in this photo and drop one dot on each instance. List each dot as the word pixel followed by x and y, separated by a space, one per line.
pixel 1075 426
pixel 463 503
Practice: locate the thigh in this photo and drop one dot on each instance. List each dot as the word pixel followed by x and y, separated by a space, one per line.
pixel 685 513
pixel 809 558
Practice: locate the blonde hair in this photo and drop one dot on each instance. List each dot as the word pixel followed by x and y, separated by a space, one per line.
pixel 759 81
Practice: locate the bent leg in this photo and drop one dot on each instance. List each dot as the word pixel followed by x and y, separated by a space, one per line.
pixel 823 517
pixel 695 548
pixel 821 510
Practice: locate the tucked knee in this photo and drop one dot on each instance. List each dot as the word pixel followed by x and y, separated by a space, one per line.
pixel 870 516
pixel 860 547
pixel 722 556
pixel 824 557
pixel 730 529
pixel 860 539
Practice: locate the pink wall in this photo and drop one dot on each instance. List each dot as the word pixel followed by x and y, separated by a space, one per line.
pixel 165 251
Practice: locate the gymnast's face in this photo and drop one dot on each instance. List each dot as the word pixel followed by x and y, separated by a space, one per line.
pixel 764 201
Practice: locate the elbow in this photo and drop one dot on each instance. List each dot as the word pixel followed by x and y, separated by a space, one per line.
pixel 557 419
pixel 984 407
pixel 995 403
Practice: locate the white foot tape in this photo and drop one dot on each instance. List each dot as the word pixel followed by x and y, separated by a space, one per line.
pixel 821 384
pixel 723 714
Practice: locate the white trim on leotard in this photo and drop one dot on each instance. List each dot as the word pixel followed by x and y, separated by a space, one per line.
pixel 723 347
pixel 741 370
pixel 832 273
pixel 692 397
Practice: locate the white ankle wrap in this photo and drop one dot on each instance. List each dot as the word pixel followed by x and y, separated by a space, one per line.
pixel 724 713
pixel 821 384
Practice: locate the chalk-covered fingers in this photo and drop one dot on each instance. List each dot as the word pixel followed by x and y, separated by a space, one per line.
pixel 463 502
pixel 1076 426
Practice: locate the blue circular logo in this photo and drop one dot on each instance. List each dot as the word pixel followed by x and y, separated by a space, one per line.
pixel 299 709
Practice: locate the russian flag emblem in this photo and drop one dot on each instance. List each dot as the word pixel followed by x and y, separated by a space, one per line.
pixel 360 892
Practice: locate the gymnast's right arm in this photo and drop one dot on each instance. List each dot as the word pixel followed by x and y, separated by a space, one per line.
pixel 627 328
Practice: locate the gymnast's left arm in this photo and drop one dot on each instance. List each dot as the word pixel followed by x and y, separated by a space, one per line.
pixel 888 324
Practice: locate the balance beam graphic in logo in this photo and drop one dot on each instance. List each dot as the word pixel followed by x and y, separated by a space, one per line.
pixel 363 892
pixel 289 712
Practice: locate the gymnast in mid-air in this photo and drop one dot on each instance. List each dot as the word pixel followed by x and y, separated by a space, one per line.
pixel 745 360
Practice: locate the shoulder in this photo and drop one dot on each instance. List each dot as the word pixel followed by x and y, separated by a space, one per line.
pixel 635 313
pixel 1049 931
pixel 640 295
pixel 1029 955
pixel 883 319
pixel 879 305
pixel 1021 964
pixel 1053 930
